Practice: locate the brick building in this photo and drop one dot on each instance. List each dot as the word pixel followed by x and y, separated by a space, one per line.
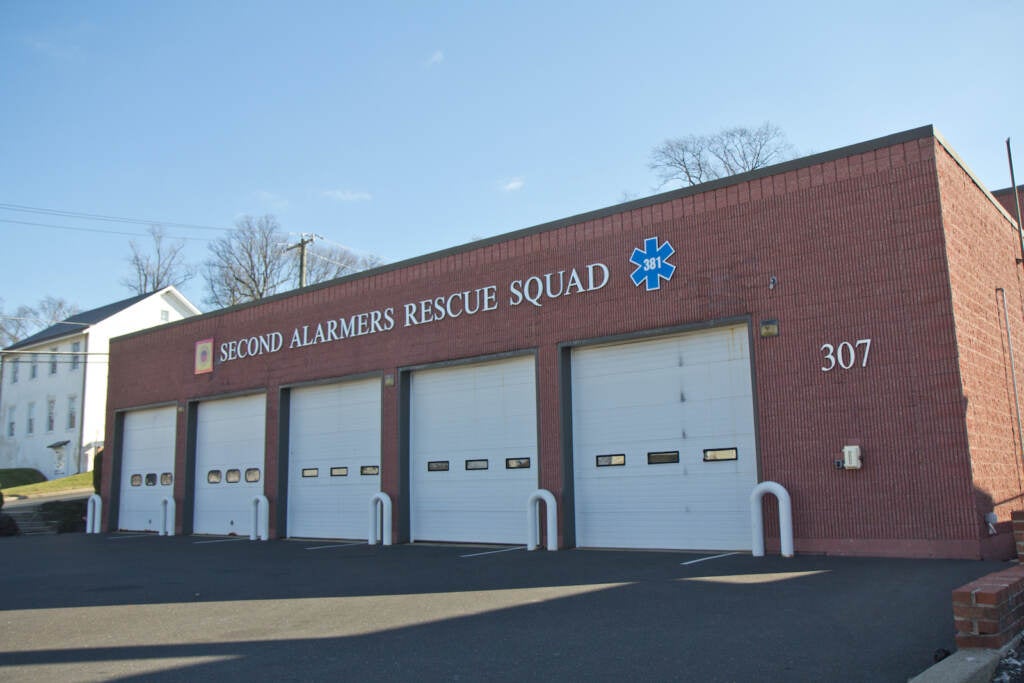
pixel 648 364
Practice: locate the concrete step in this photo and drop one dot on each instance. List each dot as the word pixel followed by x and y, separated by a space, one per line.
pixel 30 521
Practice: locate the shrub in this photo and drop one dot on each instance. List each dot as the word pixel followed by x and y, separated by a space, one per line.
pixel 19 476
pixel 67 515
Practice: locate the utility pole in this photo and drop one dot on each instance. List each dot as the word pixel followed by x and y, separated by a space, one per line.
pixel 301 246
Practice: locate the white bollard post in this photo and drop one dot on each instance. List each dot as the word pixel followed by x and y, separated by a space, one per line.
pixel 167 510
pixel 260 519
pixel 533 512
pixel 385 512
pixel 93 512
pixel 757 519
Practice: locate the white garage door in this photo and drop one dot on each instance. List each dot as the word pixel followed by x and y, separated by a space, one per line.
pixel 147 467
pixel 230 437
pixel 473 451
pixel 663 442
pixel 333 459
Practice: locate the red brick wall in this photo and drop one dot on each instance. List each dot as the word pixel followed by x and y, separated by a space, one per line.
pixel 1006 198
pixel 982 249
pixel 857 247
pixel 989 612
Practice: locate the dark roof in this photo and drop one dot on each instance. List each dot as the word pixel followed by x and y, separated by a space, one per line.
pixel 79 322
pixel 1006 190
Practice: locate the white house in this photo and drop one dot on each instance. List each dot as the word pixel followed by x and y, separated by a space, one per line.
pixel 53 385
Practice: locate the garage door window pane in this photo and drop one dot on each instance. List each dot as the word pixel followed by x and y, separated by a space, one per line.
pixel 369 469
pixel 718 454
pixel 151 479
pixel 615 460
pixel 662 457
pixel 213 477
pixel 311 472
pixel 233 476
pixel 252 475
pixel 136 480
pixel 517 463
pixel 437 466
pixel 476 464
pixel 166 479
pixel 339 471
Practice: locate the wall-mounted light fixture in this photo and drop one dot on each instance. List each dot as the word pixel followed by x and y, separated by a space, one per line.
pixel 769 328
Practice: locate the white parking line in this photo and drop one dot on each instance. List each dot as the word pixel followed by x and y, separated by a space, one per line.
pixel 338 545
pixel 221 540
pixel 119 537
pixel 492 552
pixel 705 559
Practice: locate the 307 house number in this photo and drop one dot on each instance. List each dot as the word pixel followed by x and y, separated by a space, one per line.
pixel 846 355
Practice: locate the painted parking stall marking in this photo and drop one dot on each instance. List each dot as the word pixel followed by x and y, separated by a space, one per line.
pixel 336 545
pixel 495 552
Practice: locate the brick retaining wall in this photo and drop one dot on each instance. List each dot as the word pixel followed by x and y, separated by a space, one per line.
pixel 988 612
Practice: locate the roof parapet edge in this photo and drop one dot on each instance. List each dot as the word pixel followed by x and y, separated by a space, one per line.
pixel 970 174
pixel 775 169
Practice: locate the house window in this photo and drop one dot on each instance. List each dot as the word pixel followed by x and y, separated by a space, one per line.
pixel 10 421
pixel 72 412
pixel 53 361
pixel 33 370
pixel 75 348
pixel 51 413
pixel 14 370
pixel 30 423
pixel 165 315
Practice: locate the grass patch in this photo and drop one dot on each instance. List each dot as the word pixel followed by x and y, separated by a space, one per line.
pixel 75 481
pixel 19 476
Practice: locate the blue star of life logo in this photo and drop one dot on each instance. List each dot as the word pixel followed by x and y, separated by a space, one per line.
pixel 652 263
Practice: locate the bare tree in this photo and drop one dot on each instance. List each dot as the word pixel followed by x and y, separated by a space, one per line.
pixel 249 263
pixel 164 266
pixel 327 263
pixel 27 320
pixel 16 326
pixel 52 309
pixel 695 159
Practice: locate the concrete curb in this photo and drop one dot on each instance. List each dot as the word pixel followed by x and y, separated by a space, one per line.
pixel 38 497
pixel 966 666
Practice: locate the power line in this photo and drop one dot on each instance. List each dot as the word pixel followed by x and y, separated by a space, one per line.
pixel 103 217
pixel 44 322
pixel 105 232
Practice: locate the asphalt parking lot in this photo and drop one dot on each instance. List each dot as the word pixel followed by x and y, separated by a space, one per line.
pixel 141 607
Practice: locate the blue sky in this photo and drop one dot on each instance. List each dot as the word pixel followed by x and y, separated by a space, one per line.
pixel 401 128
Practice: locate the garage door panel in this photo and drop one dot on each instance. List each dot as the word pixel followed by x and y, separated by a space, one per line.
pixel 333 427
pixel 681 394
pixel 147 467
pixel 230 441
pixel 484 411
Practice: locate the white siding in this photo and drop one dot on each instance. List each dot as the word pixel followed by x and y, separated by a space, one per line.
pixel 30 450
pixel 87 382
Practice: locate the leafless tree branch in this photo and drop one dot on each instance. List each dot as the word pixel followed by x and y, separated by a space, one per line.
pixel 164 266
pixel 696 159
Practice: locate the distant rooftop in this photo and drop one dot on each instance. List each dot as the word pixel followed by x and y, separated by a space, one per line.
pixel 79 322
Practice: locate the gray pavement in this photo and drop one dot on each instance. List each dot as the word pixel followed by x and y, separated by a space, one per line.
pixel 125 607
